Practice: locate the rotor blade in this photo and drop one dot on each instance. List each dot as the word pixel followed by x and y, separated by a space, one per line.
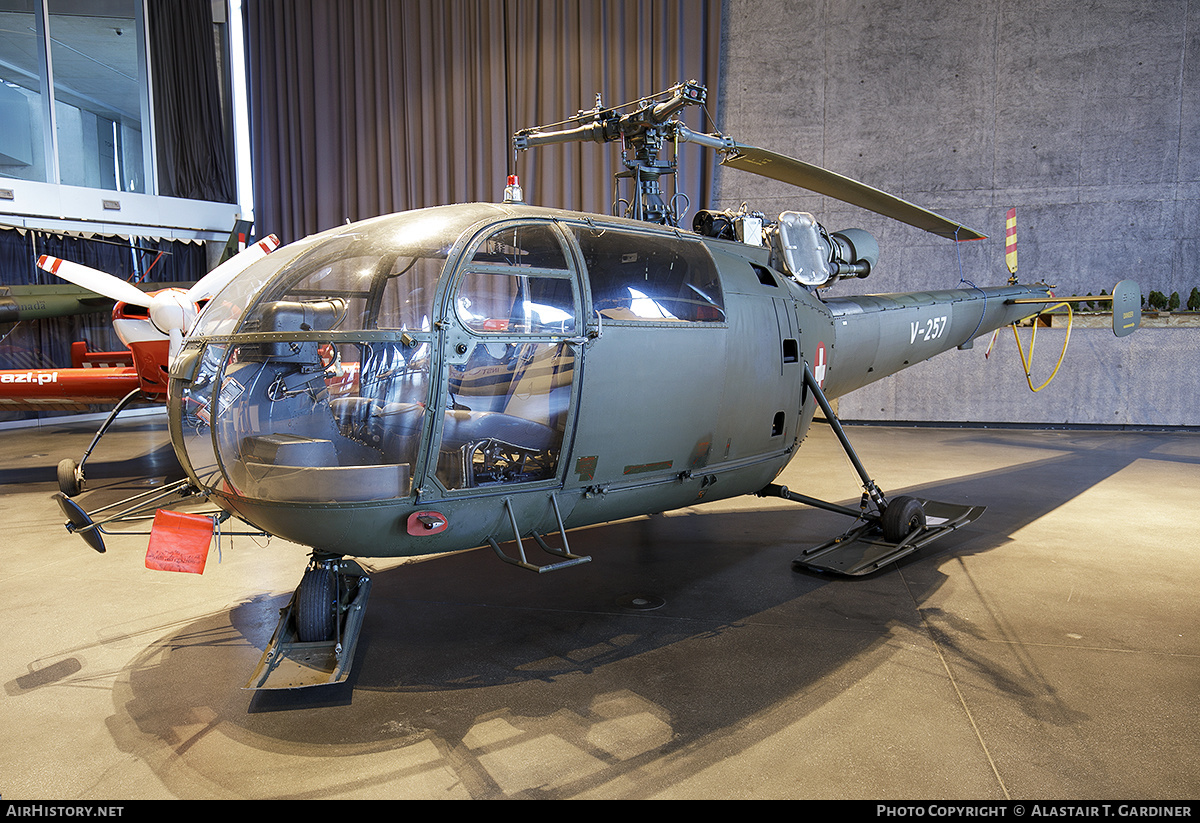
pixel 94 280
pixel 822 181
pixel 219 277
pixel 1010 241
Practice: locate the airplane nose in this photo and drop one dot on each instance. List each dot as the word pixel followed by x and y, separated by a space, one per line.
pixel 172 310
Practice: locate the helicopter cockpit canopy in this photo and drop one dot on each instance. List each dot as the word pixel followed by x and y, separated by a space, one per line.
pixel 307 378
pixel 434 349
pixel 365 264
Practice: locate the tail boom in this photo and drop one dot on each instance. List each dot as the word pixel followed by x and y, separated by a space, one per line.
pixel 878 335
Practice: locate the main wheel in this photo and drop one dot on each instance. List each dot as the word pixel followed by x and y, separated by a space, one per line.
pixel 316 605
pixel 902 517
pixel 68 477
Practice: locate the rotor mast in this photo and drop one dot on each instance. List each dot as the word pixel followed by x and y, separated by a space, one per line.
pixel 643 131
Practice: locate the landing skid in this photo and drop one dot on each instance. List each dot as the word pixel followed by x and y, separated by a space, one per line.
pixel 863 549
pixel 292 663
pixel 888 531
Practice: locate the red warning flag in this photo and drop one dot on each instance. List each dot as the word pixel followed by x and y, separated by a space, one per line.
pixel 179 542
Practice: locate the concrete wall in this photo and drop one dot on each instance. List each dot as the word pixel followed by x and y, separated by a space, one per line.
pixel 1085 116
pixel 1147 379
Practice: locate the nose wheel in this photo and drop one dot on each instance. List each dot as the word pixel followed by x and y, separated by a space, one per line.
pixel 314 643
pixel 70 477
pixel 317 604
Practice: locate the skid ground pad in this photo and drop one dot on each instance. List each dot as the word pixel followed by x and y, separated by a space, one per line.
pixel 862 549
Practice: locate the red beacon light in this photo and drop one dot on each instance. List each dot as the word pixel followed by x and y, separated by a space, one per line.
pixel 512 192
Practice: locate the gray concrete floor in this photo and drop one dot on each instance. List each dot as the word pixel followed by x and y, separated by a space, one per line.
pixel 1050 650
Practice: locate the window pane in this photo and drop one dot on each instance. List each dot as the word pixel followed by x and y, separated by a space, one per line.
pixel 506 414
pixel 384 272
pixel 516 304
pixel 408 294
pixel 647 277
pixel 533 246
pixel 22 149
pixel 97 91
pixel 342 426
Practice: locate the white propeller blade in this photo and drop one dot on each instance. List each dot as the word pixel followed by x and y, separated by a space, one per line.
pixel 94 280
pixel 172 311
pixel 219 277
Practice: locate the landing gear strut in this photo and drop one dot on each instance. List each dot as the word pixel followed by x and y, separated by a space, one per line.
pixel 70 473
pixel 905 523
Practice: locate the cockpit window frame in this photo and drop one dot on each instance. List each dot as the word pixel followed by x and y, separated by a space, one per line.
pixel 470 266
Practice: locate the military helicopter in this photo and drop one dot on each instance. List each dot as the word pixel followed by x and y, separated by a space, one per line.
pixel 491 374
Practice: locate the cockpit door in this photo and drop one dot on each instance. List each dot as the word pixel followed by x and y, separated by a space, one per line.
pixel 509 339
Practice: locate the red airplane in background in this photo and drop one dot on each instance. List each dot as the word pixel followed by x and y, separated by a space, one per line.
pixel 150 324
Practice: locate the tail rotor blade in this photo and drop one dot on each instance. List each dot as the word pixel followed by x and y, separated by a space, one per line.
pixel 94 280
pixel 219 277
pixel 822 181
pixel 1010 241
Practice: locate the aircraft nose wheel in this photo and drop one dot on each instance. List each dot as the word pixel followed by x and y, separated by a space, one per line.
pixel 314 642
pixel 317 604
pixel 902 517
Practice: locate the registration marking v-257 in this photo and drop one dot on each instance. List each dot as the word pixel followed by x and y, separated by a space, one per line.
pixel 930 329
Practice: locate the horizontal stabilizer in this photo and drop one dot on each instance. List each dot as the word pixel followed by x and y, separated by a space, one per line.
pixel 1126 305
pixel 1127 308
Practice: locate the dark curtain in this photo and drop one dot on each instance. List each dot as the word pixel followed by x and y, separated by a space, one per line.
pixel 17 264
pixel 194 154
pixel 375 106
pixel 170 261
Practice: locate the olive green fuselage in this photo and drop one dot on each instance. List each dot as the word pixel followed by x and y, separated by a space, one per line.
pixel 311 412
